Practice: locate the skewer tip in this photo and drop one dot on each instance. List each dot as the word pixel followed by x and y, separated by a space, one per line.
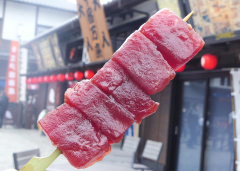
pixel 188 16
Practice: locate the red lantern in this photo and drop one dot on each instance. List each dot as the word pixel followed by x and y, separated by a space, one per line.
pixel 35 80
pixel 181 69
pixel 46 79
pixel 53 78
pixel 89 74
pixel 28 81
pixel 61 77
pixel 78 75
pixel 31 80
pixel 69 76
pixel 40 79
pixel 209 61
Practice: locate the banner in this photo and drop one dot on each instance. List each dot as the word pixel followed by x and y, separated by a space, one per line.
pixel 94 30
pixel 11 87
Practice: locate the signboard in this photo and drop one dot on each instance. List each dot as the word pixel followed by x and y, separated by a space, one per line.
pixel 94 29
pixel 236 114
pixel 11 87
pixel 170 4
pixel 85 56
pixel 37 55
pixel 56 50
pixel 46 53
pixel 216 17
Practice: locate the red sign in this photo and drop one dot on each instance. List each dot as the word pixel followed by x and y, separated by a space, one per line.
pixel 11 87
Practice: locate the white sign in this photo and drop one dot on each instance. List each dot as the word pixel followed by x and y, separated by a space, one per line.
pixel 236 114
pixel 85 56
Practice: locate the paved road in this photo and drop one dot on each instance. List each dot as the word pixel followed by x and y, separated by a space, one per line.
pixel 16 140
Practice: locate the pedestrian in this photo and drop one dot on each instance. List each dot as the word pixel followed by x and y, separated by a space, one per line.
pixel 3 106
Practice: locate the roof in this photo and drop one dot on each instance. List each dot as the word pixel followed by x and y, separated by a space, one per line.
pixel 52 30
pixel 74 21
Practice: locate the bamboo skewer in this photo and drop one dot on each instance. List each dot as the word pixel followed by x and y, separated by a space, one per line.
pixel 188 16
pixel 40 163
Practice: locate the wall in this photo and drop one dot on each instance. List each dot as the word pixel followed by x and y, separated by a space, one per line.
pixel 53 17
pixel 21 20
pixel 19 16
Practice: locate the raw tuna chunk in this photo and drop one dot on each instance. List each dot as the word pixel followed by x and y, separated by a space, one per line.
pixel 136 101
pixel 80 142
pixel 109 117
pixel 110 77
pixel 175 39
pixel 145 64
pixel 113 80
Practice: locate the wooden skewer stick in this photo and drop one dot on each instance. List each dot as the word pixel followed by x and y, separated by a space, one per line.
pixel 188 16
pixel 39 163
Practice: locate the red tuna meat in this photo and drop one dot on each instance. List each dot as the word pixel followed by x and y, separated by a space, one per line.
pixel 113 80
pixel 80 142
pixel 175 39
pixel 110 77
pixel 110 117
pixel 136 101
pixel 140 57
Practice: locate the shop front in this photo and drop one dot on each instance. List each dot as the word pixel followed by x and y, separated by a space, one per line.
pixel 203 137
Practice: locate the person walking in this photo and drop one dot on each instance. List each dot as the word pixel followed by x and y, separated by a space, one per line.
pixel 3 106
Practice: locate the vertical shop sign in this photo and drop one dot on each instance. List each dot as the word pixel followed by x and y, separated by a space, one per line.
pixel 94 29
pixel 11 87
pixel 235 75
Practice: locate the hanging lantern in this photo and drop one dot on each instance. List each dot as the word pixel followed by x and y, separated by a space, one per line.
pixel 40 79
pixel 53 78
pixel 32 80
pixel 209 61
pixel 181 69
pixel 29 80
pixel 89 74
pixel 69 76
pixel 35 80
pixel 78 75
pixel 61 77
pixel 46 79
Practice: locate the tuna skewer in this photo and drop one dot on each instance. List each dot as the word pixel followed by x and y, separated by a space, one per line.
pixel 41 164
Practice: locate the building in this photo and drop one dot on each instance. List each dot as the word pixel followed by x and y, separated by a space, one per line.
pixel 194 120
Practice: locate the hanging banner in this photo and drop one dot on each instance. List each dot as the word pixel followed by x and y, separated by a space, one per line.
pixel 11 86
pixel 94 30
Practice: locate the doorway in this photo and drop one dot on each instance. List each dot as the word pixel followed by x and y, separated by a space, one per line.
pixel 203 127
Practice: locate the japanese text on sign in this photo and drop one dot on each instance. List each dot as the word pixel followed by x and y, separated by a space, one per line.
pixel 11 87
pixel 94 29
